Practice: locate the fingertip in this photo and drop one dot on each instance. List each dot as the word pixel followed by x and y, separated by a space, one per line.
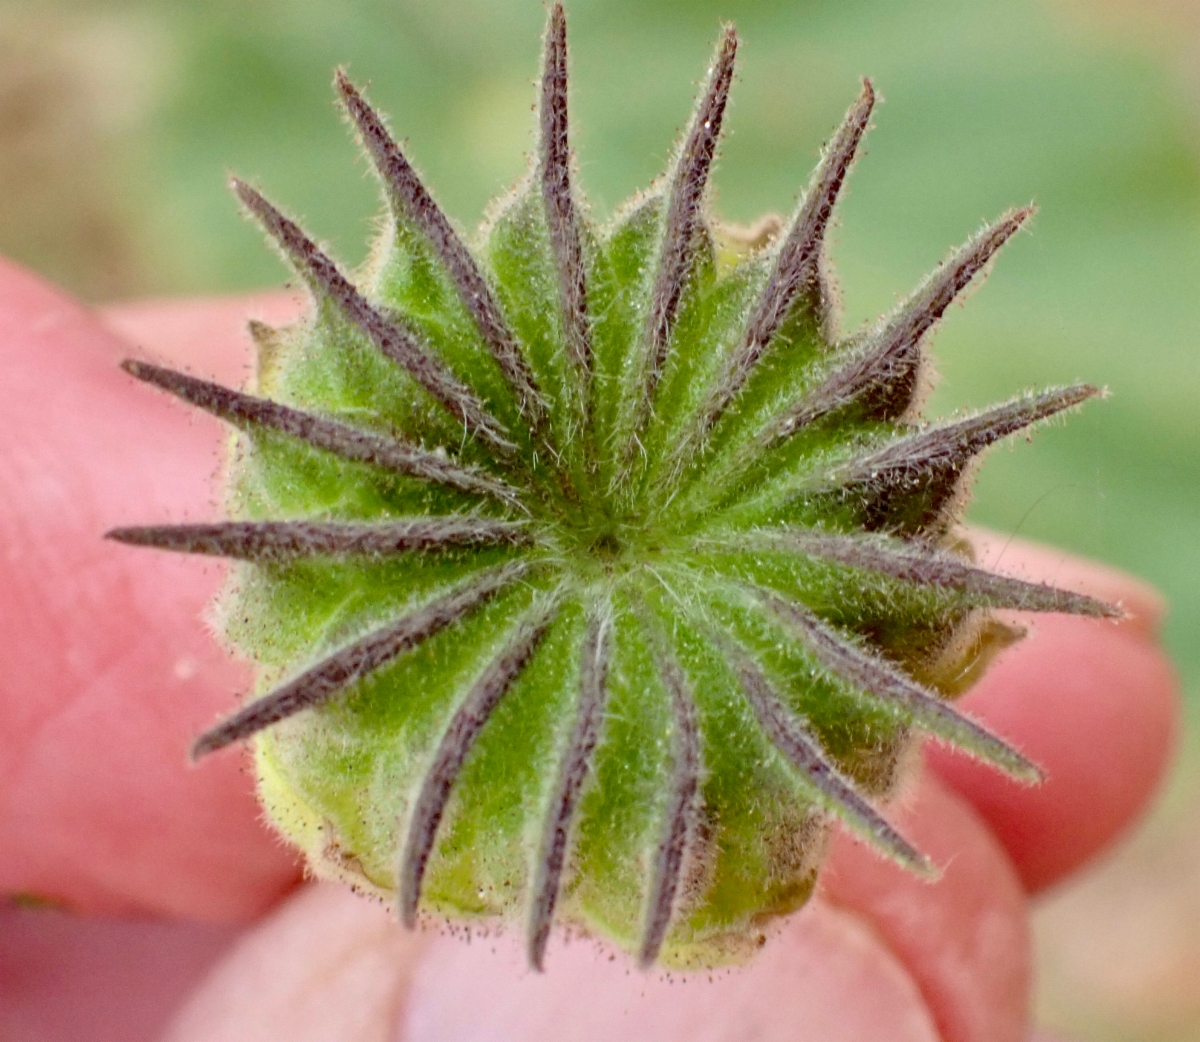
pixel 1098 707
pixel 205 334
pixel 325 964
pixel 1141 607
pixel 964 937
pixel 826 974
pixel 109 668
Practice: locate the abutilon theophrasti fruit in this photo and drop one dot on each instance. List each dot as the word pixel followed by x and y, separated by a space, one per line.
pixel 590 572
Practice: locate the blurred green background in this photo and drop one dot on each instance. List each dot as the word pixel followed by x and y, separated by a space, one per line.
pixel 120 121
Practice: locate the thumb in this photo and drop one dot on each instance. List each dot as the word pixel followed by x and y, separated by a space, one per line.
pixel 329 966
pixel 107 670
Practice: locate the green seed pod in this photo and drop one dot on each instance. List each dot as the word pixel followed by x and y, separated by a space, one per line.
pixel 591 574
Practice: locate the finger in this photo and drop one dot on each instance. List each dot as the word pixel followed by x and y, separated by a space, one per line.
pixel 204 335
pixel 963 938
pixel 1145 608
pixel 76 979
pixel 1095 704
pixel 877 955
pixel 326 965
pixel 1097 710
pixel 826 977
pixel 109 671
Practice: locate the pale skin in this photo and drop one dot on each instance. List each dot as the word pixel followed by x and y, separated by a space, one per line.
pixel 109 672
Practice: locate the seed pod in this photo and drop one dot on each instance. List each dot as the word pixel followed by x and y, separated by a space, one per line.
pixel 590 573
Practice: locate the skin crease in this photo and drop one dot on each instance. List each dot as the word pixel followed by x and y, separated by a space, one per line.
pixel 109 674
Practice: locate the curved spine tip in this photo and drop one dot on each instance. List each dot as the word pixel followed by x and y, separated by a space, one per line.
pixel 288 540
pixel 907 485
pixel 456 743
pixel 411 200
pixel 883 368
pixel 393 339
pixel 877 678
pixel 562 217
pixel 791 735
pixel 321 432
pixel 573 770
pixel 921 564
pixel 683 217
pixel 682 797
pixel 346 666
pixel 795 276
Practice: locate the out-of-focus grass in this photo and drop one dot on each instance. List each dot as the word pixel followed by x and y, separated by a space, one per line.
pixel 988 105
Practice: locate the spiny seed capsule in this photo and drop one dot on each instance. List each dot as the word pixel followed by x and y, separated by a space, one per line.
pixel 591 574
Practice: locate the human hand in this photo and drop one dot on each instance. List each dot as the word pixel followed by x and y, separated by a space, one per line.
pixel 108 674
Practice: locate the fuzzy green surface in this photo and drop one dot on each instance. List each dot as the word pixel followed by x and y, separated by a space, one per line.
pixel 341 780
